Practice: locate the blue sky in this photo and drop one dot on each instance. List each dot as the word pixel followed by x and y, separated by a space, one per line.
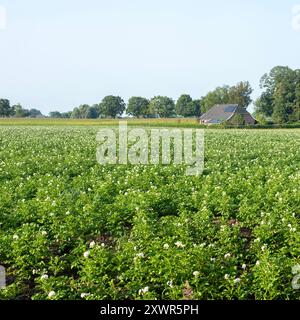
pixel 55 55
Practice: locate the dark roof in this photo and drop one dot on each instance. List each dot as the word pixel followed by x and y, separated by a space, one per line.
pixel 219 113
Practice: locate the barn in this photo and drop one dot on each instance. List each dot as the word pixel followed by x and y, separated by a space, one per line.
pixel 227 113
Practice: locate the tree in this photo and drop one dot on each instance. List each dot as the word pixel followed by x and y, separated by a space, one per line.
pixel 260 118
pixel 296 107
pixel 34 113
pixel 75 113
pixel 280 114
pixel 193 109
pixel 92 113
pixel 55 114
pixel 18 111
pixel 82 112
pixel 198 107
pixel 241 94
pixel 138 106
pixel 112 106
pixel 97 108
pixel 182 105
pixel 264 104
pixel 162 106
pixel 26 113
pixel 66 115
pixel 237 120
pixel 5 109
pixel 281 96
pixel 219 96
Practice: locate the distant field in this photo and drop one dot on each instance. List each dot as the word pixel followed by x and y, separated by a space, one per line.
pixel 101 122
pixel 170 122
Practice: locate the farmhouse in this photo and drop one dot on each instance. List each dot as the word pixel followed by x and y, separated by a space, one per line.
pixel 227 113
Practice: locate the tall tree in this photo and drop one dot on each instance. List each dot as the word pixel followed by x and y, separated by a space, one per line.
pixel 218 96
pixel 138 106
pixel 83 110
pixel 92 112
pixel 18 111
pixel 76 113
pixel 182 105
pixel 264 104
pixel 112 106
pixel 5 109
pixel 296 108
pixel 198 107
pixel 80 112
pixel 280 114
pixel 241 94
pixel 280 98
pixel 193 109
pixel 162 106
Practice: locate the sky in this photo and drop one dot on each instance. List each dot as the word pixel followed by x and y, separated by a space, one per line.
pixel 58 54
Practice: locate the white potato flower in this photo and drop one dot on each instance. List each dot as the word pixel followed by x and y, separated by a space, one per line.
pixel 86 254
pixel 179 244
pixel 92 244
pixel 237 280
pixel 144 290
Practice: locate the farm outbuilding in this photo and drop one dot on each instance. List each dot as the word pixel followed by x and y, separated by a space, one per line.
pixel 227 113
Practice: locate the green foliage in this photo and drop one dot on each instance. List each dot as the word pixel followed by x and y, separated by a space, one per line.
pixel 85 112
pixel 5 109
pixel 112 106
pixel 239 94
pixel 182 105
pixel 186 107
pixel 237 120
pixel 72 229
pixel 263 105
pixel 58 115
pixel 281 96
pixel 138 106
pixel 261 119
pixel 197 107
pixel 219 96
pixel 17 110
pixel 162 106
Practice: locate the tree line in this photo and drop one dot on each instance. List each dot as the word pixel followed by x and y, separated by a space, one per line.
pixel 279 102
pixel 6 110
pixel 161 106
